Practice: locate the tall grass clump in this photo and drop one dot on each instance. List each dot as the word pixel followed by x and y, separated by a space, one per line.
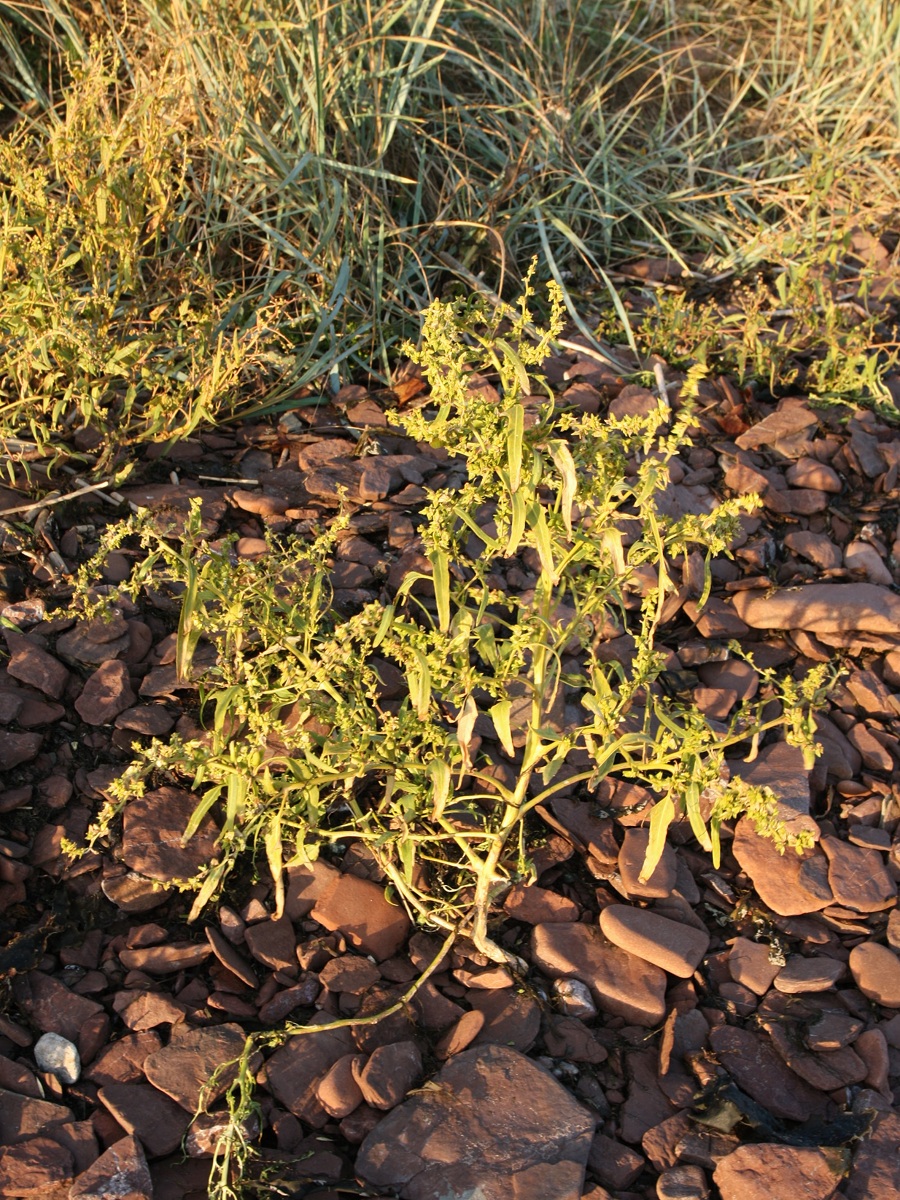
pixel 219 204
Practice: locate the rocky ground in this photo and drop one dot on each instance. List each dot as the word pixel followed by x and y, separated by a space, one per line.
pixel 730 1033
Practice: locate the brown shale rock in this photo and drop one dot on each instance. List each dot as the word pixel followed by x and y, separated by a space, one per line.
pixel 674 947
pixel 389 1074
pixel 826 1070
pixel 105 694
pixel 646 1104
pixel 682 1183
pixel 166 959
pixel 815 547
pixel 349 973
pixel 338 1091
pixel 832 1030
pixel 615 1165
pixel 631 861
pixel 749 964
pixel 185 1067
pixel 151 720
pixel 679 1139
pixel 34 666
pixel 537 906
pixel 123 1060
pixel 780 767
pixel 51 1006
pixel 757 1069
pixel 152 830
pixel 621 983
pixel 510 1018
pixel 18 748
pixel 876 972
pixel 875 1173
pixel 273 943
pixel 568 1037
pixel 22 1117
pixel 363 914
pixel 142 1011
pixel 858 877
pixel 120 1173
pixel 790 883
pixel 822 608
pixel 293 1072
pixel 495 1125
pixel 872 1047
pixel 94 642
pixel 767 1170
pixel 141 1110
pixel 229 957
pixel 35 1170
pixel 801 975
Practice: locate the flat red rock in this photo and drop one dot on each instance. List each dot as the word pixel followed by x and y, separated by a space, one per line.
pixel 152 829
pixel 876 970
pixel 822 608
pixel 789 883
pixel 185 1067
pixel 120 1172
pixel 858 876
pixel 35 1169
pixel 620 983
pixel 495 1125
pixel 766 1170
pixel 751 1061
pixel 105 694
pixel 363 914
pixel 674 947
pixel 140 1109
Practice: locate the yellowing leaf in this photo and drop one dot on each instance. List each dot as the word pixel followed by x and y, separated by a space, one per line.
pixel 565 464
pixel 440 784
pixel 275 857
pixel 662 814
pixel 514 440
pixel 499 714
pixel 465 726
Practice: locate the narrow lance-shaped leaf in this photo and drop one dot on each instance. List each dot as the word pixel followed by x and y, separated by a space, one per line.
pixel 565 464
pixel 516 524
pixel 419 679
pixel 542 542
pixel 204 805
pixel 188 635
pixel 275 858
pixel 518 366
pixel 465 726
pixel 692 804
pixel 208 889
pixel 440 784
pixel 662 814
pixel 499 714
pixel 384 625
pixel 514 440
pixel 440 564
pixel 612 544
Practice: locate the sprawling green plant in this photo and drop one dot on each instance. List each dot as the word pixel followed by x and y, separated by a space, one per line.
pixel 302 752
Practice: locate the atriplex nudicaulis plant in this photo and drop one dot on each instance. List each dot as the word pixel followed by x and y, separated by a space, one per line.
pixel 302 752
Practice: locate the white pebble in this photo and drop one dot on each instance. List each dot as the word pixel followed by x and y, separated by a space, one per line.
pixel 58 1056
pixel 574 999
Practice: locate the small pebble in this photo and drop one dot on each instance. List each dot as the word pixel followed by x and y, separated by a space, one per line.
pixel 574 999
pixel 59 1056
